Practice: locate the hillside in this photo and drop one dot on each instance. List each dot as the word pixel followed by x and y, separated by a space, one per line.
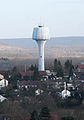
pixel 55 47
pixel 61 51
pixel 13 52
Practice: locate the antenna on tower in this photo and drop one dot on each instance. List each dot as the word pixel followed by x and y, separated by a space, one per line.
pixel 41 23
pixel 65 85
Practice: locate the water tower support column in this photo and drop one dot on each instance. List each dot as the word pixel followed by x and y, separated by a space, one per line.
pixel 41 45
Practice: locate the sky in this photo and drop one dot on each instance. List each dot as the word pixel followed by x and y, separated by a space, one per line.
pixel 62 17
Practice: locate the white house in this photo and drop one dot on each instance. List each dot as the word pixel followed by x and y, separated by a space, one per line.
pixel 1 77
pixel 3 82
pixel 2 98
pixel 38 92
pixel 65 93
pixel 70 85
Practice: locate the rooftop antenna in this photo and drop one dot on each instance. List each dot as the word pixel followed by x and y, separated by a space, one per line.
pixel 25 68
pixel 41 23
pixel 65 86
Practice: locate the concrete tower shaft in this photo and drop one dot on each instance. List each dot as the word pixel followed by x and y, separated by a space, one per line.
pixel 41 45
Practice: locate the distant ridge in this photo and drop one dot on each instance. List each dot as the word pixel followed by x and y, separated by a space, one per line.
pixel 55 41
pixel 67 41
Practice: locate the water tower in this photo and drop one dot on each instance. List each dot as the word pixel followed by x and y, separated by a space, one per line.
pixel 41 35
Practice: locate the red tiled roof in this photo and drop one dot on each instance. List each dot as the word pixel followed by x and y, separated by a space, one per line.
pixel 28 117
pixel 29 73
pixel 54 116
pixel 42 73
pixel 79 73
pixel 81 66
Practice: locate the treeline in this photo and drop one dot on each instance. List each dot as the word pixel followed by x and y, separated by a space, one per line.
pixel 61 69
pixel 46 115
pixel 5 59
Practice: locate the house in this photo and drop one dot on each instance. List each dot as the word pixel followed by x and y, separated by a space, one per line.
pixel 48 72
pixel 2 98
pixel 70 86
pixel 55 83
pixel 27 75
pixel 1 77
pixel 80 67
pixel 65 93
pixel 38 91
pixel 5 117
pixel 79 72
pixel 51 83
pixel 3 82
pixel 43 73
pixel 28 84
pixel 54 116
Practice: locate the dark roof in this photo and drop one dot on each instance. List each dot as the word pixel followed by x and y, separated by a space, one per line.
pixel 50 81
pixel 57 80
pixel 29 83
pixel 3 72
pixel 81 85
pixel 4 115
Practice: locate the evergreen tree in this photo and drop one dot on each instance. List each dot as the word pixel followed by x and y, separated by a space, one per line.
pixel 34 115
pixel 14 69
pixel 71 71
pixel 45 114
pixel 59 63
pixel 31 67
pixel 60 71
pixel 15 75
pixel 69 67
pixel 58 68
pixel 36 73
pixel 55 65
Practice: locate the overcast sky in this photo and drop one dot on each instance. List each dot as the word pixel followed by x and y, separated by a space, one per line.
pixel 62 17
